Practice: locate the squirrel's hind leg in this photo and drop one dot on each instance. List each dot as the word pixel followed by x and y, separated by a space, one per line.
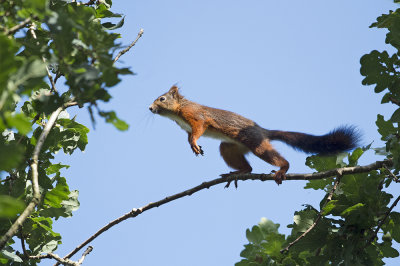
pixel 233 156
pixel 266 152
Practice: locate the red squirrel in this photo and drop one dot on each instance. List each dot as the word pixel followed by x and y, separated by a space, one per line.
pixel 240 135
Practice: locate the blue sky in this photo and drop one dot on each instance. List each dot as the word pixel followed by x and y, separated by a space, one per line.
pixel 289 65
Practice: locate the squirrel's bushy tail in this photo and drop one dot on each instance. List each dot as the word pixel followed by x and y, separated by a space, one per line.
pixel 341 139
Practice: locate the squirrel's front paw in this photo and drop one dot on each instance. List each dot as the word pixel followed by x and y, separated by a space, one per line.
pixel 197 149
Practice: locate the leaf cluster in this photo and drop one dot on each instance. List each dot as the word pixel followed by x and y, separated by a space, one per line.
pixel 44 42
pixel 343 233
pixel 382 70
pixel 355 225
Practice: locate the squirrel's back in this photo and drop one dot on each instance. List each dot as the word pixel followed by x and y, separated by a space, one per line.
pixel 231 127
pixel 240 135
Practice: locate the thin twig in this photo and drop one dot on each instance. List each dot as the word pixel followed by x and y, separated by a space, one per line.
pixel 56 257
pixel 53 85
pixel 18 27
pixel 206 185
pixel 381 222
pixel 61 260
pixel 129 47
pixel 328 199
pixel 393 100
pixel 391 174
pixel 58 75
pixel 87 251
pixel 7 179
pixel 91 2
pixel 35 179
pixel 23 245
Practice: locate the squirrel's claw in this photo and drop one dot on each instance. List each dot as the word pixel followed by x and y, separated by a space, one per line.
pixel 197 150
pixel 229 182
pixel 201 151
pixel 279 176
pixel 238 172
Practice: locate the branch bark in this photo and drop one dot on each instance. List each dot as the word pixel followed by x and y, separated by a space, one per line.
pixel 381 222
pixel 18 27
pixel 129 47
pixel 61 260
pixel 206 185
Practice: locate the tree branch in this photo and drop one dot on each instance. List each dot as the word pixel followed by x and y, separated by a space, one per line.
pixel 87 251
pixel 53 85
pixel 57 258
pixel 328 199
pixel 35 178
pixel 18 27
pixel 7 179
pixel 206 185
pixel 129 47
pixel 381 222
pixel 395 179
pixel 393 100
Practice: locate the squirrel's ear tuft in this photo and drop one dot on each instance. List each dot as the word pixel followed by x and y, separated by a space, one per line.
pixel 174 91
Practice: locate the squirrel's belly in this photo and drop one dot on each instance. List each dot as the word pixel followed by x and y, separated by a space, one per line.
pixel 208 133
pixel 218 135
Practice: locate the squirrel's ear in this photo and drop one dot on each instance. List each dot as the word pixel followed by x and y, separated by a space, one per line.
pixel 174 91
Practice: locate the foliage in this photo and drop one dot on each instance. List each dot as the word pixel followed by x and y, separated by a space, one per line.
pixel 72 43
pixel 345 232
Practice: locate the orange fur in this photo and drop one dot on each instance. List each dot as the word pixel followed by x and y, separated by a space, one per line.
pixel 240 135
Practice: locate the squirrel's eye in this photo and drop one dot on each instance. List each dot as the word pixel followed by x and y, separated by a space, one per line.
pixel 162 99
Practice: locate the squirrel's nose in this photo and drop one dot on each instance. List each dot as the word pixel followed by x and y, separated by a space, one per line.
pixel 151 108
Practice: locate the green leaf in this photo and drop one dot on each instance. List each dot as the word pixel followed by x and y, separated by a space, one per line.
pixel 19 122
pixel 44 181
pixel 49 246
pixel 112 118
pixel 112 26
pixel 102 11
pixel 9 63
pixel 319 183
pixel 316 238
pixel 289 262
pixel 254 235
pixel 76 129
pixel 43 101
pixel 329 207
pixel 352 209
pixel 40 235
pixel 55 168
pixel 32 70
pixel 323 163
pixel 385 128
pixel 377 68
pixel 387 250
pixel 267 226
pixel 67 207
pixel 392 226
pixel 11 155
pixel 303 220
pixel 55 196
pixel 9 253
pixel 355 155
pixel 10 207
pixel 396 116
pixel 46 224
pixel 273 245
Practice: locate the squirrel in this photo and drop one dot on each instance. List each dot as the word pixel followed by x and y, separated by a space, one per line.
pixel 240 135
